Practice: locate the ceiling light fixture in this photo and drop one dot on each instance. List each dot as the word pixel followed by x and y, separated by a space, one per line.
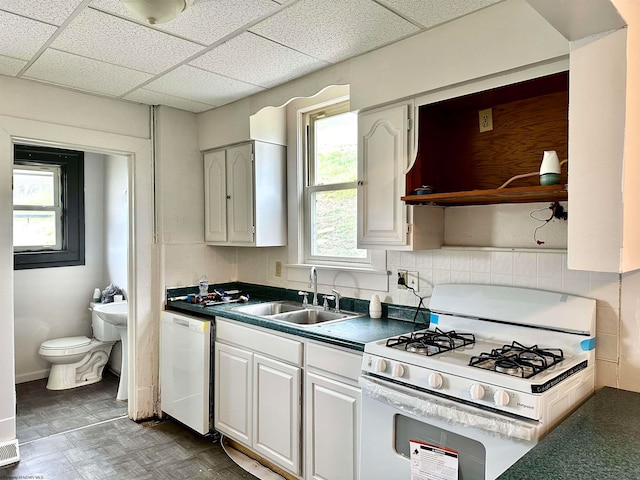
pixel 156 11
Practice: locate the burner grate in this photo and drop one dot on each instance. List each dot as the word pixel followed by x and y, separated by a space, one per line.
pixel 518 360
pixel 431 342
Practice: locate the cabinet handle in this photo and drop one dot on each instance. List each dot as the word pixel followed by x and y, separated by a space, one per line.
pixel 228 197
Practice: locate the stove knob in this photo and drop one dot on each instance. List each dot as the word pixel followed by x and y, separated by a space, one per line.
pixel 501 398
pixel 380 365
pixel 476 392
pixel 435 380
pixel 397 371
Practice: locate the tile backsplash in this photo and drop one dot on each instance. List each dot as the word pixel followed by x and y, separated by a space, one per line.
pixel 544 270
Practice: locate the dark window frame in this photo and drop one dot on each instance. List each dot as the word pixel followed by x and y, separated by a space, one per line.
pixel 71 163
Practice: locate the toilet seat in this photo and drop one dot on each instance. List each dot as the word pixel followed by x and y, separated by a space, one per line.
pixel 66 342
pixel 67 346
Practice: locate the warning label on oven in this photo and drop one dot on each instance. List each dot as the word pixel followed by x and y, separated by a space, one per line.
pixel 429 462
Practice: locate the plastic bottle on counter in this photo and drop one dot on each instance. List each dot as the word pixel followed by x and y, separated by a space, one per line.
pixel 203 286
pixel 375 307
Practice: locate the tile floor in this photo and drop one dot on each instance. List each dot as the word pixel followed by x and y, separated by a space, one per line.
pixel 83 434
pixel 42 412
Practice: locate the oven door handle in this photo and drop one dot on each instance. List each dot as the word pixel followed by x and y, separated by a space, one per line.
pixel 420 404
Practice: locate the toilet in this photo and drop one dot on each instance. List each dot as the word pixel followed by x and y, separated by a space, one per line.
pixel 78 361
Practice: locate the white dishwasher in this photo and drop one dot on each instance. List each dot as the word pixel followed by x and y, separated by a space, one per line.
pixel 186 381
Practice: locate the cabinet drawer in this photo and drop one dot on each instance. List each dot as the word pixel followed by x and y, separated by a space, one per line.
pixel 258 341
pixel 334 360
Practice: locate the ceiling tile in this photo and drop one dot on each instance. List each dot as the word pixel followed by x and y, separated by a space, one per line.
pixel 84 73
pixel 430 13
pixel 114 40
pixel 256 60
pixel 149 97
pixel 206 21
pixel 50 11
pixel 201 86
pixel 333 31
pixel 20 37
pixel 10 66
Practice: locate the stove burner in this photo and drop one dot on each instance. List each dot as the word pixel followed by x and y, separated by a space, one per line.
pixel 417 347
pixel 431 342
pixel 505 365
pixel 518 360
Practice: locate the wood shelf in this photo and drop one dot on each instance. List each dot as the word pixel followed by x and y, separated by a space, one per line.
pixel 538 193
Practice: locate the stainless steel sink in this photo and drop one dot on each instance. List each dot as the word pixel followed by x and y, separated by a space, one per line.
pixel 268 308
pixel 303 316
pixel 311 317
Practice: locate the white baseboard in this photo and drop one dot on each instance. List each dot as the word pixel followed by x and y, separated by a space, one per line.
pixel 29 377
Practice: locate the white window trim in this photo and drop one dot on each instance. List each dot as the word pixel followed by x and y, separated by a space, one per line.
pixel 56 208
pixel 373 276
pixel 334 107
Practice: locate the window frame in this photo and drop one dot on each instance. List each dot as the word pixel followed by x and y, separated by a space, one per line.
pixel 70 195
pixel 309 115
pixel 56 207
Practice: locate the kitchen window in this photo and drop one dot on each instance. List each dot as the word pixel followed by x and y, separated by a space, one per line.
pixel 48 207
pixel 330 196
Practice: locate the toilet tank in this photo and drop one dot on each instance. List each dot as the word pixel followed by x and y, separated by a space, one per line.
pixel 102 330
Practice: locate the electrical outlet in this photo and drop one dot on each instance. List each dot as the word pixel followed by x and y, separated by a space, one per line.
pixel 486 120
pixel 402 279
pixel 412 280
pixel 278 269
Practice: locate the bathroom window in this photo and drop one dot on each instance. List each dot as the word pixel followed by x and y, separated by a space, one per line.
pixel 330 186
pixel 48 207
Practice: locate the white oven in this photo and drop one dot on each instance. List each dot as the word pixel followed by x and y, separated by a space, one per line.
pixel 487 411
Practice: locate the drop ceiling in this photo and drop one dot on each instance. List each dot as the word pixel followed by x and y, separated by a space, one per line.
pixel 214 53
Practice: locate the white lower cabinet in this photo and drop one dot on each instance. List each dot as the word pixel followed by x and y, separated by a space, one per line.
pixel 233 392
pixel 258 392
pixel 259 400
pixel 276 411
pixel 332 413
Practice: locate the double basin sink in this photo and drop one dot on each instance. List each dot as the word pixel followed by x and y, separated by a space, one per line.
pixel 301 315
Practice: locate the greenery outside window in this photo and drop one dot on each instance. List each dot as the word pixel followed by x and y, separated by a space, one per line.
pixel 48 207
pixel 330 192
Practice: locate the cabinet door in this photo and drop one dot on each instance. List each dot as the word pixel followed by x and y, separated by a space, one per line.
pixel 240 194
pixel 332 429
pixel 215 201
pixel 276 426
pixel 382 161
pixel 233 392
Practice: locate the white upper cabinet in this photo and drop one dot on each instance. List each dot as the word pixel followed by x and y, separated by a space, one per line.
pixel 245 195
pixel 604 206
pixel 384 221
pixel 215 186
pixel 383 156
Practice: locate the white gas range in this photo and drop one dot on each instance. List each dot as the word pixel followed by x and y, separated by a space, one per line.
pixel 496 369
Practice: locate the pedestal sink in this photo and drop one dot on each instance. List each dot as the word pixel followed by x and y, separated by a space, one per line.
pixel 117 314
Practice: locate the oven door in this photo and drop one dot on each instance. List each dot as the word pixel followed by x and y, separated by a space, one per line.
pixel 487 443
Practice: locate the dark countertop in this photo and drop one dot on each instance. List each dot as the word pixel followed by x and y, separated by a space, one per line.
pixel 351 333
pixel 600 440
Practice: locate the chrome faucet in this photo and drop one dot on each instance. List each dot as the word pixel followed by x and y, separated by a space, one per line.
pixel 313 281
pixel 338 297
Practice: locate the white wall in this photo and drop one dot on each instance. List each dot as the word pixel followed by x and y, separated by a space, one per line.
pixel 53 302
pixel 59 117
pixel 116 221
pixel 520 37
pixel 116 235
pixel 180 205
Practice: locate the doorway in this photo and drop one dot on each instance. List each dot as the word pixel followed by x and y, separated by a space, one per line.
pixel 61 309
